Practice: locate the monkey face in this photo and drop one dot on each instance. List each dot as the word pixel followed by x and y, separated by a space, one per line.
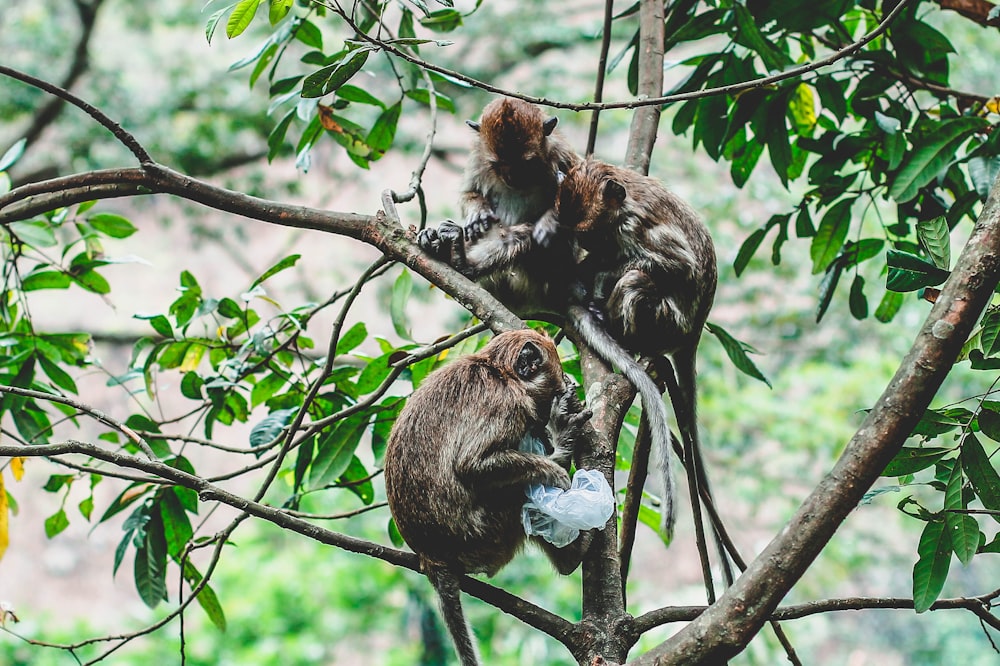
pixel 588 203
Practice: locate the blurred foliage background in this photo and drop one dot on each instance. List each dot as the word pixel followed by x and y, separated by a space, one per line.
pixel 289 601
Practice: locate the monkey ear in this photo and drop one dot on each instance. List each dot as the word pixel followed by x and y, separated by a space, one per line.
pixel 614 192
pixel 473 124
pixel 529 360
pixel 549 125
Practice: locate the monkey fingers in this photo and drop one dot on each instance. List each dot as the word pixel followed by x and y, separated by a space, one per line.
pixel 429 241
pixel 478 223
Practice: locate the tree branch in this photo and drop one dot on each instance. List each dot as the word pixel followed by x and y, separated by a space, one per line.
pixel 525 611
pixel 646 119
pixel 727 626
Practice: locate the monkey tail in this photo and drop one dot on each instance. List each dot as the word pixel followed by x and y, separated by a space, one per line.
pixel 445 582
pixel 594 333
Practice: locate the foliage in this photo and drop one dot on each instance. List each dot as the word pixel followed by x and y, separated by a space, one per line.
pixel 890 161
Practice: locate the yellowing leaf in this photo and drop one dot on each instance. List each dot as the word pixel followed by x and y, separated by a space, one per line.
pixel 803 109
pixel 993 106
pixel 17 467
pixel 4 510
pixel 192 357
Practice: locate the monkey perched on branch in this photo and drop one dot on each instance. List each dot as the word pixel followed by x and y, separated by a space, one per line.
pixel 650 274
pixel 455 474
pixel 509 240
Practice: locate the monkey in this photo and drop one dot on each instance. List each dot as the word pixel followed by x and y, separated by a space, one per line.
pixel 510 241
pixel 649 269
pixel 455 474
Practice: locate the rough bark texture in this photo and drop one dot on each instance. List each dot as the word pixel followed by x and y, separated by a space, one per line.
pixel 727 626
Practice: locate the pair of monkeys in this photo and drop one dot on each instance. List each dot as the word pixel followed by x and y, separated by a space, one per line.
pixel 610 253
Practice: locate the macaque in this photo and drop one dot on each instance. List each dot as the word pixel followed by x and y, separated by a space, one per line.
pixel 649 270
pixel 455 474
pixel 510 241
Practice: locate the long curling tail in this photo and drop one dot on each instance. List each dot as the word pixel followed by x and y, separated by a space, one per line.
pixel 607 347
pixel 445 583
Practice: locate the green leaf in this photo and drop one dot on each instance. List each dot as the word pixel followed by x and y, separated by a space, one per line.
pixel 931 568
pixel 990 335
pixel 423 96
pixel 330 78
pixel 56 523
pixel 908 272
pixel 911 459
pixel 963 530
pixel 55 373
pixel 207 598
pixel 358 95
pixel 357 479
pixel 858 303
pixel 213 22
pixel 334 452
pixel 981 473
pixel 176 524
pixel 266 387
pixel 303 460
pixel 827 286
pixel 309 34
pixel 354 336
pixel 36 233
pixel 278 10
pixel 936 240
pixel 241 17
pixel 13 154
pixel 989 423
pixel 113 226
pixel 937 422
pixel 270 427
pixel 888 307
pixel 287 262
pixel 384 130
pixel 983 171
pixel 401 290
pixel 442 20
pixel 46 280
pixel 747 250
pixel 830 235
pixel 737 353
pixel 159 324
pixel 931 157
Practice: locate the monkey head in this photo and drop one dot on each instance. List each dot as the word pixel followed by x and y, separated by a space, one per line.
pixel 514 134
pixel 534 362
pixel 588 203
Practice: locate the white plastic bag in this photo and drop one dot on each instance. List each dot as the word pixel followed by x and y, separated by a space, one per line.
pixel 559 515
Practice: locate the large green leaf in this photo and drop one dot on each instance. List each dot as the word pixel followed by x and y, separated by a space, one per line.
pixel 963 529
pixel 207 598
pixel 330 78
pixel 830 236
pixel 932 156
pixel 911 459
pixel 335 451
pixel 241 17
pixel 931 568
pixel 982 474
pixel 934 236
pixel 908 272
pixel 401 290
pixel 737 352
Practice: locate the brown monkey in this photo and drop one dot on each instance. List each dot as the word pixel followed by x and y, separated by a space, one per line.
pixel 650 273
pixel 509 240
pixel 455 475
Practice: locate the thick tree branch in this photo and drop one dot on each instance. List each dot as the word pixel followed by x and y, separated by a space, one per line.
pixel 646 119
pixel 727 626
pixel 527 612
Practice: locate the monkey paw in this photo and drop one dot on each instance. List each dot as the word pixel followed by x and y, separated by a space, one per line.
pixel 546 230
pixel 429 241
pixel 479 223
pixel 568 412
pixel 449 233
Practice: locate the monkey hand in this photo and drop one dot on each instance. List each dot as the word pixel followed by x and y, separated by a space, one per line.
pixel 546 230
pixel 568 415
pixel 429 241
pixel 478 223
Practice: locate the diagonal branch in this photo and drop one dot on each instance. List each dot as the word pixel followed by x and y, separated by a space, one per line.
pixel 727 626
pixel 527 612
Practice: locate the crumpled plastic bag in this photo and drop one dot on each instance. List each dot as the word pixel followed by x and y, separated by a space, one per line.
pixel 559 515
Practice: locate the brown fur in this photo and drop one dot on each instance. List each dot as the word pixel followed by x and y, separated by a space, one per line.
pixel 454 475
pixel 649 273
pixel 509 240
